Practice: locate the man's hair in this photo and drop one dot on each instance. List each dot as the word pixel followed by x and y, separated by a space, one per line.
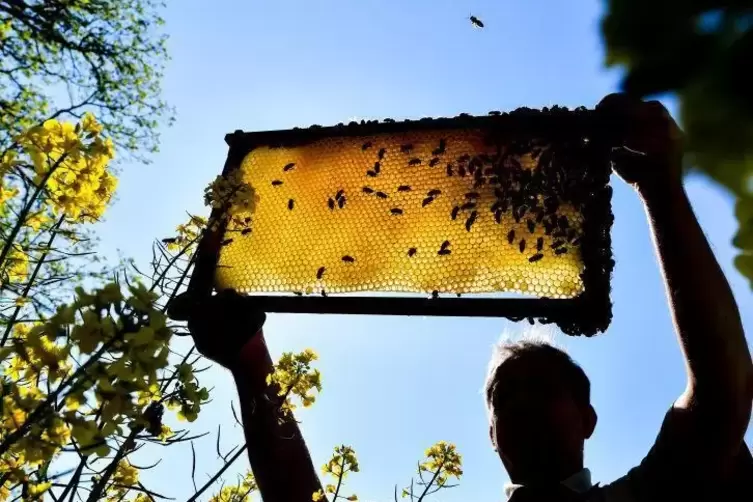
pixel 544 354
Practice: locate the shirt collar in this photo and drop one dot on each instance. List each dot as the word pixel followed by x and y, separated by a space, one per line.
pixel 580 482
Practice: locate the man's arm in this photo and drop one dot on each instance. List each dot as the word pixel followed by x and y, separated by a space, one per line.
pixel 720 376
pixel 279 457
pixel 708 421
pixel 228 330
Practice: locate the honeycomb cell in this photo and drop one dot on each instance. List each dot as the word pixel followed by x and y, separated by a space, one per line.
pixel 382 213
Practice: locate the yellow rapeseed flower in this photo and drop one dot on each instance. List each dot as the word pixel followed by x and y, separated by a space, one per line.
pixel 81 185
pixel 16 266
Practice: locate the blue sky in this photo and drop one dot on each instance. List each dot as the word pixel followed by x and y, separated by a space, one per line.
pixel 394 386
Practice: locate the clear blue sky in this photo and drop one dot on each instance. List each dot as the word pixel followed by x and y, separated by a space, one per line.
pixel 394 386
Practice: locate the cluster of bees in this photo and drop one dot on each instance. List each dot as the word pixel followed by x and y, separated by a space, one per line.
pixel 530 194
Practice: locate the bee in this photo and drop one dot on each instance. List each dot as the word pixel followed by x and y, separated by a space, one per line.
pixel 377 167
pixel 471 219
pixel 442 145
pixel 435 294
pixel 444 245
pixel 495 207
pixel 348 259
pixel 276 183
pixel 320 272
pixel 472 195
pixel 449 169
pixel 427 201
pixel 403 188
pixel 539 244
pixel 411 252
pixel 461 171
pixel 433 162
pixel 414 161
pixel 245 231
pixel 341 202
pixel 331 203
pixel 560 251
pixel 381 153
pixel 226 242
pixel 396 211
pixel 406 148
pixel 539 216
pixel 367 190
pixel 510 236
pixel 454 213
pixel 288 167
pixel 366 146
pixel 468 205
pixel 434 192
pixel 170 240
pixel 498 216
pixel 297 293
pixel 522 245
pixel 371 173
pixel 464 158
pixel 324 294
pixel 291 203
pixel 339 194
pixel 381 195
pixel 443 252
pixel 557 244
pixel 535 257
pixel 531 226
pixel 575 241
pixel 551 204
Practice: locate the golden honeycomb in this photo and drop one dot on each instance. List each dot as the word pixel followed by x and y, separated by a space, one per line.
pixel 375 213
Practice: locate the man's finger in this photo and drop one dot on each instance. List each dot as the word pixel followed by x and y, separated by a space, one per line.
pixel 181 307
pixel 618 102
pixel 657 107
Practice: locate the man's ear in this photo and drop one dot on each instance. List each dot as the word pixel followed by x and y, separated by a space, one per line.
pixel 590 420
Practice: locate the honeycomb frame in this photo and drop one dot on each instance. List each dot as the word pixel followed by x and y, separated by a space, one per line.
pixel 528 157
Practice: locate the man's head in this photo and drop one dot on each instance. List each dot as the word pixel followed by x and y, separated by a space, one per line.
pixel 539 401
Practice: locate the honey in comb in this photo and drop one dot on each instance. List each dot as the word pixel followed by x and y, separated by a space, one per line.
pixel 286 246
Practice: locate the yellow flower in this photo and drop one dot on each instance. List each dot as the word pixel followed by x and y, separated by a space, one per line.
pixel 16 266
pixel 444 460
pixel 294 376
pixel 125 474
pixel 17 367
pixel 6 194
pixel 90 125
pixel 80 185
pixel 36 220
pixel 239 492
pixel 37 489
pixel 165 433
